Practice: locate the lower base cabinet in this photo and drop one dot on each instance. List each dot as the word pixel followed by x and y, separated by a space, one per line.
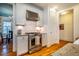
pixel 22 45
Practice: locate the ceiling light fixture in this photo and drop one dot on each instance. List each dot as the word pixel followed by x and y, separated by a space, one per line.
pixel 54 9
pixel 64 12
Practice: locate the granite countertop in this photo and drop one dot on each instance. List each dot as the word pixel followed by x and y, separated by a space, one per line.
pixel 22 35
pixel 26 34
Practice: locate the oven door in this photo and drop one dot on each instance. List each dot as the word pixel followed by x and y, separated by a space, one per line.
pixel 34 42
pixel 31 42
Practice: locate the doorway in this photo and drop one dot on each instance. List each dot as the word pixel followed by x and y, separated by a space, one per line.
pixel 6 31
pixel 66 25
pixel 6 35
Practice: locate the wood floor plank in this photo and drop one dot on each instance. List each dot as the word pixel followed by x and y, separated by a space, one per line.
pixel 46 51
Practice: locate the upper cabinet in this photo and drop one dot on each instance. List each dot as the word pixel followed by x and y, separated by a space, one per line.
pixel 20 14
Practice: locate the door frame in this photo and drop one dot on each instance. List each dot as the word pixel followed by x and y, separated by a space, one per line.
pixel 72 20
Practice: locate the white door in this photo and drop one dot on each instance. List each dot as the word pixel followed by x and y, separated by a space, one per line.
pixel 66 21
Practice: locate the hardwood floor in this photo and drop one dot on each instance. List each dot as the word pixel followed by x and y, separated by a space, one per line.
pixel 7 50
pixel 47 51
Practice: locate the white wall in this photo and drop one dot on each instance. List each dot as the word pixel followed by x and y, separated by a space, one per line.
pixel 52 22
pixel 19 17
pixel 76 21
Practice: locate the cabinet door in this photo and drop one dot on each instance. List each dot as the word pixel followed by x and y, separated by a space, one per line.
pixel 20 15
pixel 22 45
pixel 26 38
pixel 44 39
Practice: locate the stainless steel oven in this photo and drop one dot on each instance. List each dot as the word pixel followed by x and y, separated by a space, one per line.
pixel 34 42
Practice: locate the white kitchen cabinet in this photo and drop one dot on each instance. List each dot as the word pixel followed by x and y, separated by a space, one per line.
pixel 44 39
pixel 20 15
pixel 22 44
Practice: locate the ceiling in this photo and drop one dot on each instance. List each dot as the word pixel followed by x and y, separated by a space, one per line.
pixel 6 9
pixel 60 6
